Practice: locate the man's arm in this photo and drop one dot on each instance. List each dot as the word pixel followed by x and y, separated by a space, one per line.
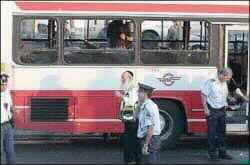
pixel 149 119
pixel 149 135
pixel 205 91
pixel 147 140
pixel 204 102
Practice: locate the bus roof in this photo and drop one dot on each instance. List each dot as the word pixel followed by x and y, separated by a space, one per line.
pixel 182 7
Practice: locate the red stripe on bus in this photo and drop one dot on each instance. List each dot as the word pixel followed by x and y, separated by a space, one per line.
pixel 96 104
pixel 134 7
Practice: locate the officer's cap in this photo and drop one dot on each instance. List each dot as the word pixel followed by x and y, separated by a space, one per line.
pixel 131 73
pixel 146 88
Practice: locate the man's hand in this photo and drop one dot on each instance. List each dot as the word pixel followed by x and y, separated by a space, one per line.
pixel 145 149
pixel 206 111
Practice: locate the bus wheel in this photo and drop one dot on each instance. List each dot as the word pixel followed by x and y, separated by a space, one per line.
pixel 172 124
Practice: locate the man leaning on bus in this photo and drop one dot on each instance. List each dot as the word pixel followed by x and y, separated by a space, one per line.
pixel 7 125
pixel 214 96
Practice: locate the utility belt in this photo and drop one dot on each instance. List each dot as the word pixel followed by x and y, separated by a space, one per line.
pixel 5 123
pixel 215 109
pixel 153 137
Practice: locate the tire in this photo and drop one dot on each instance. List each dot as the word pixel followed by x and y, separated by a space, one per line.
pixel 172 123
pixel 106 137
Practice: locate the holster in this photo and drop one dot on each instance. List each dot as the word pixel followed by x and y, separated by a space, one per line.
pixel 12 120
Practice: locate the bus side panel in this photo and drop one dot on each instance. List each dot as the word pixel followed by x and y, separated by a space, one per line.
pixel 19 110
pixel 197 122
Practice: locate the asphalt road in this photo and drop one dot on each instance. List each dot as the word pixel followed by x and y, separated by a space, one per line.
pixel 96 151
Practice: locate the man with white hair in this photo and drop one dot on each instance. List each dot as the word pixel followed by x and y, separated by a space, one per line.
pixel 214 97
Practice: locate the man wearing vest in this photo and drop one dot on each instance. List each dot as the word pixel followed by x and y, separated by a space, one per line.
pixel 214 96
pixel 7 125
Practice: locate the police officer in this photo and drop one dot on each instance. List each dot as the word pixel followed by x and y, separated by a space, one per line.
pixel 214 96
pixel 7 130
pixel 149 125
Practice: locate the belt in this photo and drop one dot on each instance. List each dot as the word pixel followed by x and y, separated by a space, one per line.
pixel 153 136
pixel 5 123
pixel 215 109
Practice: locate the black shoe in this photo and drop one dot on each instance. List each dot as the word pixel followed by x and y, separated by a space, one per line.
pixel 225 156
pixel 213 157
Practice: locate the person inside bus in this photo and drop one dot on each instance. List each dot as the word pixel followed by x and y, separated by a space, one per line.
pixel 118 34
pixel 125 39
pixel 130 142
pixel 214 98
pixel 175 34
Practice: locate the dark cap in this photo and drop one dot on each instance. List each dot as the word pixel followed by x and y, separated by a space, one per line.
pixel 146 88
pixel 4 78
pixel 131 73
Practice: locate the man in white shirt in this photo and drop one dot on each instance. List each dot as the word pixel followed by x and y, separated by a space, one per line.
pixel 149 128
pixel 214 97
pixel 7 130
pixel 129 98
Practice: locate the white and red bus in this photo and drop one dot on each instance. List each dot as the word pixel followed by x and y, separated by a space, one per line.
pixel 65 67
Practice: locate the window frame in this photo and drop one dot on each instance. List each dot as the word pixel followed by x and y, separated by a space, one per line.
pixel 137 20
pixel 16 39
pixel 65 18
pixel 183 50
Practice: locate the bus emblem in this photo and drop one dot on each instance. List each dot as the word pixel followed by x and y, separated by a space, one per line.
pixel 169 79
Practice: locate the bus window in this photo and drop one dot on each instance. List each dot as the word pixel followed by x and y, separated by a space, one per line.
pixel 37 42
pixel 198 36
pixel 89 41
pixel 174 42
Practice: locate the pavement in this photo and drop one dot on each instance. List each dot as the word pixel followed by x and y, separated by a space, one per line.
pixel 39 148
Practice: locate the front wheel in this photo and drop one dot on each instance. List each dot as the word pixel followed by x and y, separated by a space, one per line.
pixel 172 124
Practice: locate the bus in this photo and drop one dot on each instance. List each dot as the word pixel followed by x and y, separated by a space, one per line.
pixel 65 63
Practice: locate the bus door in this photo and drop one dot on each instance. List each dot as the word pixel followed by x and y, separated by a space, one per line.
pixel 237 58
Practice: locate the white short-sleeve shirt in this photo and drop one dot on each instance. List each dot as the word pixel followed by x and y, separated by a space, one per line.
pixel 148 116
pixel 6 104
pixel 216 93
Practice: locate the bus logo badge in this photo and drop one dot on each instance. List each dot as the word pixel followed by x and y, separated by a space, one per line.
pixel 169 79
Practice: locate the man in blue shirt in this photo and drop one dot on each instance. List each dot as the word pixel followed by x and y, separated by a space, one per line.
pixel 149 125
pixel 214 97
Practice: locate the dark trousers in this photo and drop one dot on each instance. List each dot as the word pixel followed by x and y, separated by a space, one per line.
pixel 131 145
pixel 216 130
pixel 153 149
pixel 7 144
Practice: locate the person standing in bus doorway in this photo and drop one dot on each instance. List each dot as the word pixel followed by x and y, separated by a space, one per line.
pixel 129 95
pixel 149 128
pixel 7 125
pixel 214 96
